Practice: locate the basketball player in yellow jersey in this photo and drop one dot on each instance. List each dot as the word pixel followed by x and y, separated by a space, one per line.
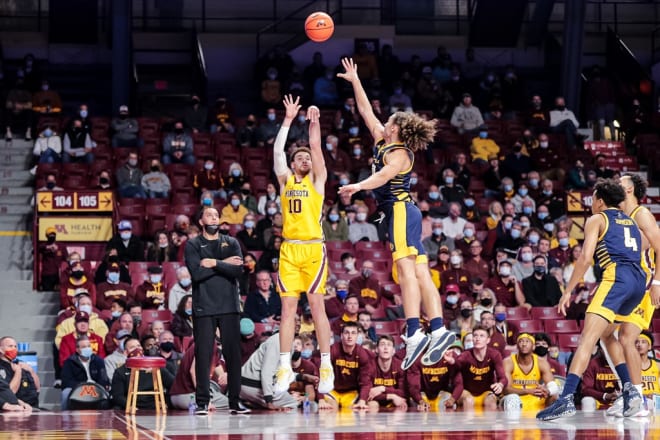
pixel 650 367
pixel 303 259
pixel 531 383
pixel 640 319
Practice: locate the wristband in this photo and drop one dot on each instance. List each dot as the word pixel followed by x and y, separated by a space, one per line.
pixel 655 283
pixel 553 388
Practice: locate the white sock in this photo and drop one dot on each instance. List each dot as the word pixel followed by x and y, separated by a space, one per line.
pixel 285 360
pixel 325 359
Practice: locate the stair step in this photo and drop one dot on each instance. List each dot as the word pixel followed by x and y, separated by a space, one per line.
pixel 15 199
pixel 15 209
pixel 8 190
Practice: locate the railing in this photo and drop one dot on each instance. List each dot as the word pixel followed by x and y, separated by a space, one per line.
pixel 655 45
pixel 199 65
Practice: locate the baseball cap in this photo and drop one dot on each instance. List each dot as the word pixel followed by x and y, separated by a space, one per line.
pixel 124 225
pixel 247 327
pixel 121 334
pixel 51 230
pixel 443 248
pixel 467 95
pixel 123 109
pixel 82 316
pixel 452 288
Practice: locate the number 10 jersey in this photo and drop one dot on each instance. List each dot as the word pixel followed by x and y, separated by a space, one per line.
pixel 302 207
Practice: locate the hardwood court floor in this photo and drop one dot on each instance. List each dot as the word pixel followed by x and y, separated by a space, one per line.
pixel 111 425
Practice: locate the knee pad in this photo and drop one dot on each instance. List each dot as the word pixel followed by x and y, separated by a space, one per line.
pixel 511 402
pixel 589 404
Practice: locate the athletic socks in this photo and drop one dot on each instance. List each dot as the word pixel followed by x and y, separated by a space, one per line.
pixel 622 371
pixel 436 324
pixel 412 325
pixel 572 381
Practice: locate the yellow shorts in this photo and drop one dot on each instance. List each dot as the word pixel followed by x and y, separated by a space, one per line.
pixel 532 403
pixel 303 268
pixel 434 404
pixel 642 315
pixel 480 399
pixel 344 400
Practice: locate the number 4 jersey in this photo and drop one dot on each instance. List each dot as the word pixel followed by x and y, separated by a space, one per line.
pixel 620 242
pixel 302 208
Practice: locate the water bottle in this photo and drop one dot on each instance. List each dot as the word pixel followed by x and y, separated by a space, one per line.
pixel 192 406
pixel 306 405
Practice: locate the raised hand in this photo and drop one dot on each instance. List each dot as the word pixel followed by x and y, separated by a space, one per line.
pixel 351 73
pixel 313 113
pixel 291 106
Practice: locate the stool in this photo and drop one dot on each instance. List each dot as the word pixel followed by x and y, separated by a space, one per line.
pixel 137 364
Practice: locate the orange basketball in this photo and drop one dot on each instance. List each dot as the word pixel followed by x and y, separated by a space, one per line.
pixel 319 26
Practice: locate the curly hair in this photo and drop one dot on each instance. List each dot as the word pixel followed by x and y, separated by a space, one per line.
pixel 415 131
pixel 639 185
pixel 611 192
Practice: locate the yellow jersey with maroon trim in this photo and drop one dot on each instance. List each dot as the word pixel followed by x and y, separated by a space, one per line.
pixel 651 379
pixel 302 207
pixel 521 380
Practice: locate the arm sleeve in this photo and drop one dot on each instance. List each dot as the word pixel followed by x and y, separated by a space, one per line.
pixel 279 156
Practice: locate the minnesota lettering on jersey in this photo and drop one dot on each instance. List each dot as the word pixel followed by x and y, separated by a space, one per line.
pixel 385 382
pixel 479 371
pixel 297 193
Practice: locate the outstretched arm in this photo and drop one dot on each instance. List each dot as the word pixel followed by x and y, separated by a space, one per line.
pixel 280 166
pixel 364 107
pixel 319 170
pixel 395 162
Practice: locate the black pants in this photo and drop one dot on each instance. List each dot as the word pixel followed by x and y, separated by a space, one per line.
pixel 230 336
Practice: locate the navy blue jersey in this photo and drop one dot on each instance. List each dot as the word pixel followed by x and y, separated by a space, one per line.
pixel 620 242
pixel 398 188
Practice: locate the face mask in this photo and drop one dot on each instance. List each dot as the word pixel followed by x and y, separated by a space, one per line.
pixel 211 229
pixel 522 192
pixel 113 277
pixel 466 313
pixel 85 308
pixel 153 351
pixel 334 218
pixel 78 274
pixel 500 317
pixel 424 214
pixel 353 131
pixel 208 166
pixel 366 273
pixel 132 162
pixel 507 225
pixel 83 113
pixel 328 146
pixel 455 260
pixel 358 151
pixel 547 192
pixel 541 351
pixel 11 354
pixel 515 233
pixel 533 182
pixel 301 119
pixel 271 116
pixel 486 302
pixel 483 134
pixel 342 294
pixel 505 271
pixel 50 185
pixel 413 181
pixel 86 352
pixel 527 257
pixel 207 201
pixel 561 108
pixel 539 269
pixel 235 203
pixel 469 203
pixel 249 123
pixel 469 233
pixel 155 279
pixel 437 232
pixel 51 238
pixel 508 188
pixel 449 180
pixel 534 239
pixel 527 210
pixel 271 211
pixel 116 314
pixel 549 227
pixel 155 169
pixel 104 180
pixel 188 312
pixel 167 347
pixel 434 195
pixel 361 216
pixel 542 215
pixel 306 353
pixel 543 144
pixel 563 242
pixel 452 299
pixel 236 172
pixel 48 132
pixel 343 181
pixel 554 354
pixel 125 235
pixel 468 345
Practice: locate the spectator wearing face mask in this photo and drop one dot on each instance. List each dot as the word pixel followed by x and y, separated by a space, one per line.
pixel 366 288
pixel 236 178
pixel 360 229
pixel 182 321
pixel 195 115
pixel 554 200
pixel 434 200
pixel 152 293
pixel 470 210
pixel 564 121
pixel 50 255
pixel 541 289
pixel 522 199
pixel 456 274
pixel 166 350
pixel 562 252
pixel 348 262
pixel 268 129
pixel 129 247
pixel 46 101
pixel 129 178
pixel 517 164
pixel 81 367
pixel 77 145
pixel 47 147
pixel 247 197
pixel 437 240
pixel 209 180
pixel 336 159
pixel 249 237
pixel 125 130
pixel 271 195
pixel 68 343
pixel 464 321
pixel 234 212
pixel 112 289
pixel 466 117
pixel 248 135
pixel 483 147
pixel 334 226
pixel 463 241
pixel 180 289
pixel 451 191
pixel 505 286
pixel 523 266
pixel 453 225
pixel 75 281
pixel 453 298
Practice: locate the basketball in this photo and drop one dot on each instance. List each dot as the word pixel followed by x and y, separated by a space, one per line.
pixel 319 26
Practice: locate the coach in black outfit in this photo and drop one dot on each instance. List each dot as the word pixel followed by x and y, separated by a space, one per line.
pixel 215 263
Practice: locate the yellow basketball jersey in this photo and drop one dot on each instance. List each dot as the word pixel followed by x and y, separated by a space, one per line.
pixel 302 207
pixel 648 255
pixel 522 380
pixel 651 379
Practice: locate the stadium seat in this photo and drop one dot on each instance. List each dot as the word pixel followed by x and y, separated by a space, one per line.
pixel 517 313
pixel 149 316
pixel 157 209
pixel 183 196
pixel 387 328
pixel 545 313
pixel 568 341
pixel 370 245
pixel 74 181
pixel 528 325
pixel 560 326
pixel 187 209
pixel 345 246
pixel 260 328
pixel 75 169
pixel 336 266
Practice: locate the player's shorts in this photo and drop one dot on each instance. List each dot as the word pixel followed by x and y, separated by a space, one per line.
pixel 479 400
pixel 532 403
pixel 303 268
pixel 405 231
pixel 435 403
pixel 620 291
pixel 344 400
pixel 642 315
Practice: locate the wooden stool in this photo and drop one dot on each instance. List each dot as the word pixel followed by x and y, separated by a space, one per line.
pixel 137 364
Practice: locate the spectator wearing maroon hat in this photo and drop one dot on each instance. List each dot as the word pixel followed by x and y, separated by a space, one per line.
pixel 453 299
pixel 68 344
pixel 152 293
pixel 113 288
